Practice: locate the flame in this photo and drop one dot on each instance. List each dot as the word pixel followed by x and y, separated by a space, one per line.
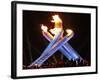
pixel 57 27
pixel 55 30
pixel 69 32
pixel 58 24
pixel 56 18
pixel 57 21
pixel 44 28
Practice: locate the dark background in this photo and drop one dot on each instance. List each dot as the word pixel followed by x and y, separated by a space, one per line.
pixel 34 43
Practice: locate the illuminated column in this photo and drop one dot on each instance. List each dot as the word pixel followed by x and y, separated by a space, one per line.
pixel 56 38
pixel 49 37
pixel 42 57
pixel 51 51
pixel 70 52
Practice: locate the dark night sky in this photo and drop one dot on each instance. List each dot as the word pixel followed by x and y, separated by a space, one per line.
pixel 34 43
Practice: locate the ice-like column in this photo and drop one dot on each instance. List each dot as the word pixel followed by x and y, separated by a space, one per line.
pixel 70 51
pixel 49 37
pixel 56 38
pixel 51 51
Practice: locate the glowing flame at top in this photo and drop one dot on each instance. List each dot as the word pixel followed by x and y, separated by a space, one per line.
pixel 57 21
pixel 44 28
pixel 57 26
pixel 56 18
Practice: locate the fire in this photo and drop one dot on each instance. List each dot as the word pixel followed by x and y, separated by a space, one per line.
pixel 57 26
pixel 57 21
pixel 69 32
pixel 44 28
pixel 55 30
pixel 56 18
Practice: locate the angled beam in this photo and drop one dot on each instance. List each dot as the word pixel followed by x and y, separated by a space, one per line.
pixel 69 50
pixel 49 37
pixel 56 38
pixel 51 51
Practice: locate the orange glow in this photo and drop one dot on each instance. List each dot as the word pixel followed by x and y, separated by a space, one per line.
pixel 57 25
pixel 55 30
pixel 44 28
pixel 57 21
pixel 69 32
pixel 56 18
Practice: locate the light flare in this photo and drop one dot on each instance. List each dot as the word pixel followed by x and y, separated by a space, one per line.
pixel 57 25
pixel 69 32
pixel 44 28
pixel 56 19
pixel 55 31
